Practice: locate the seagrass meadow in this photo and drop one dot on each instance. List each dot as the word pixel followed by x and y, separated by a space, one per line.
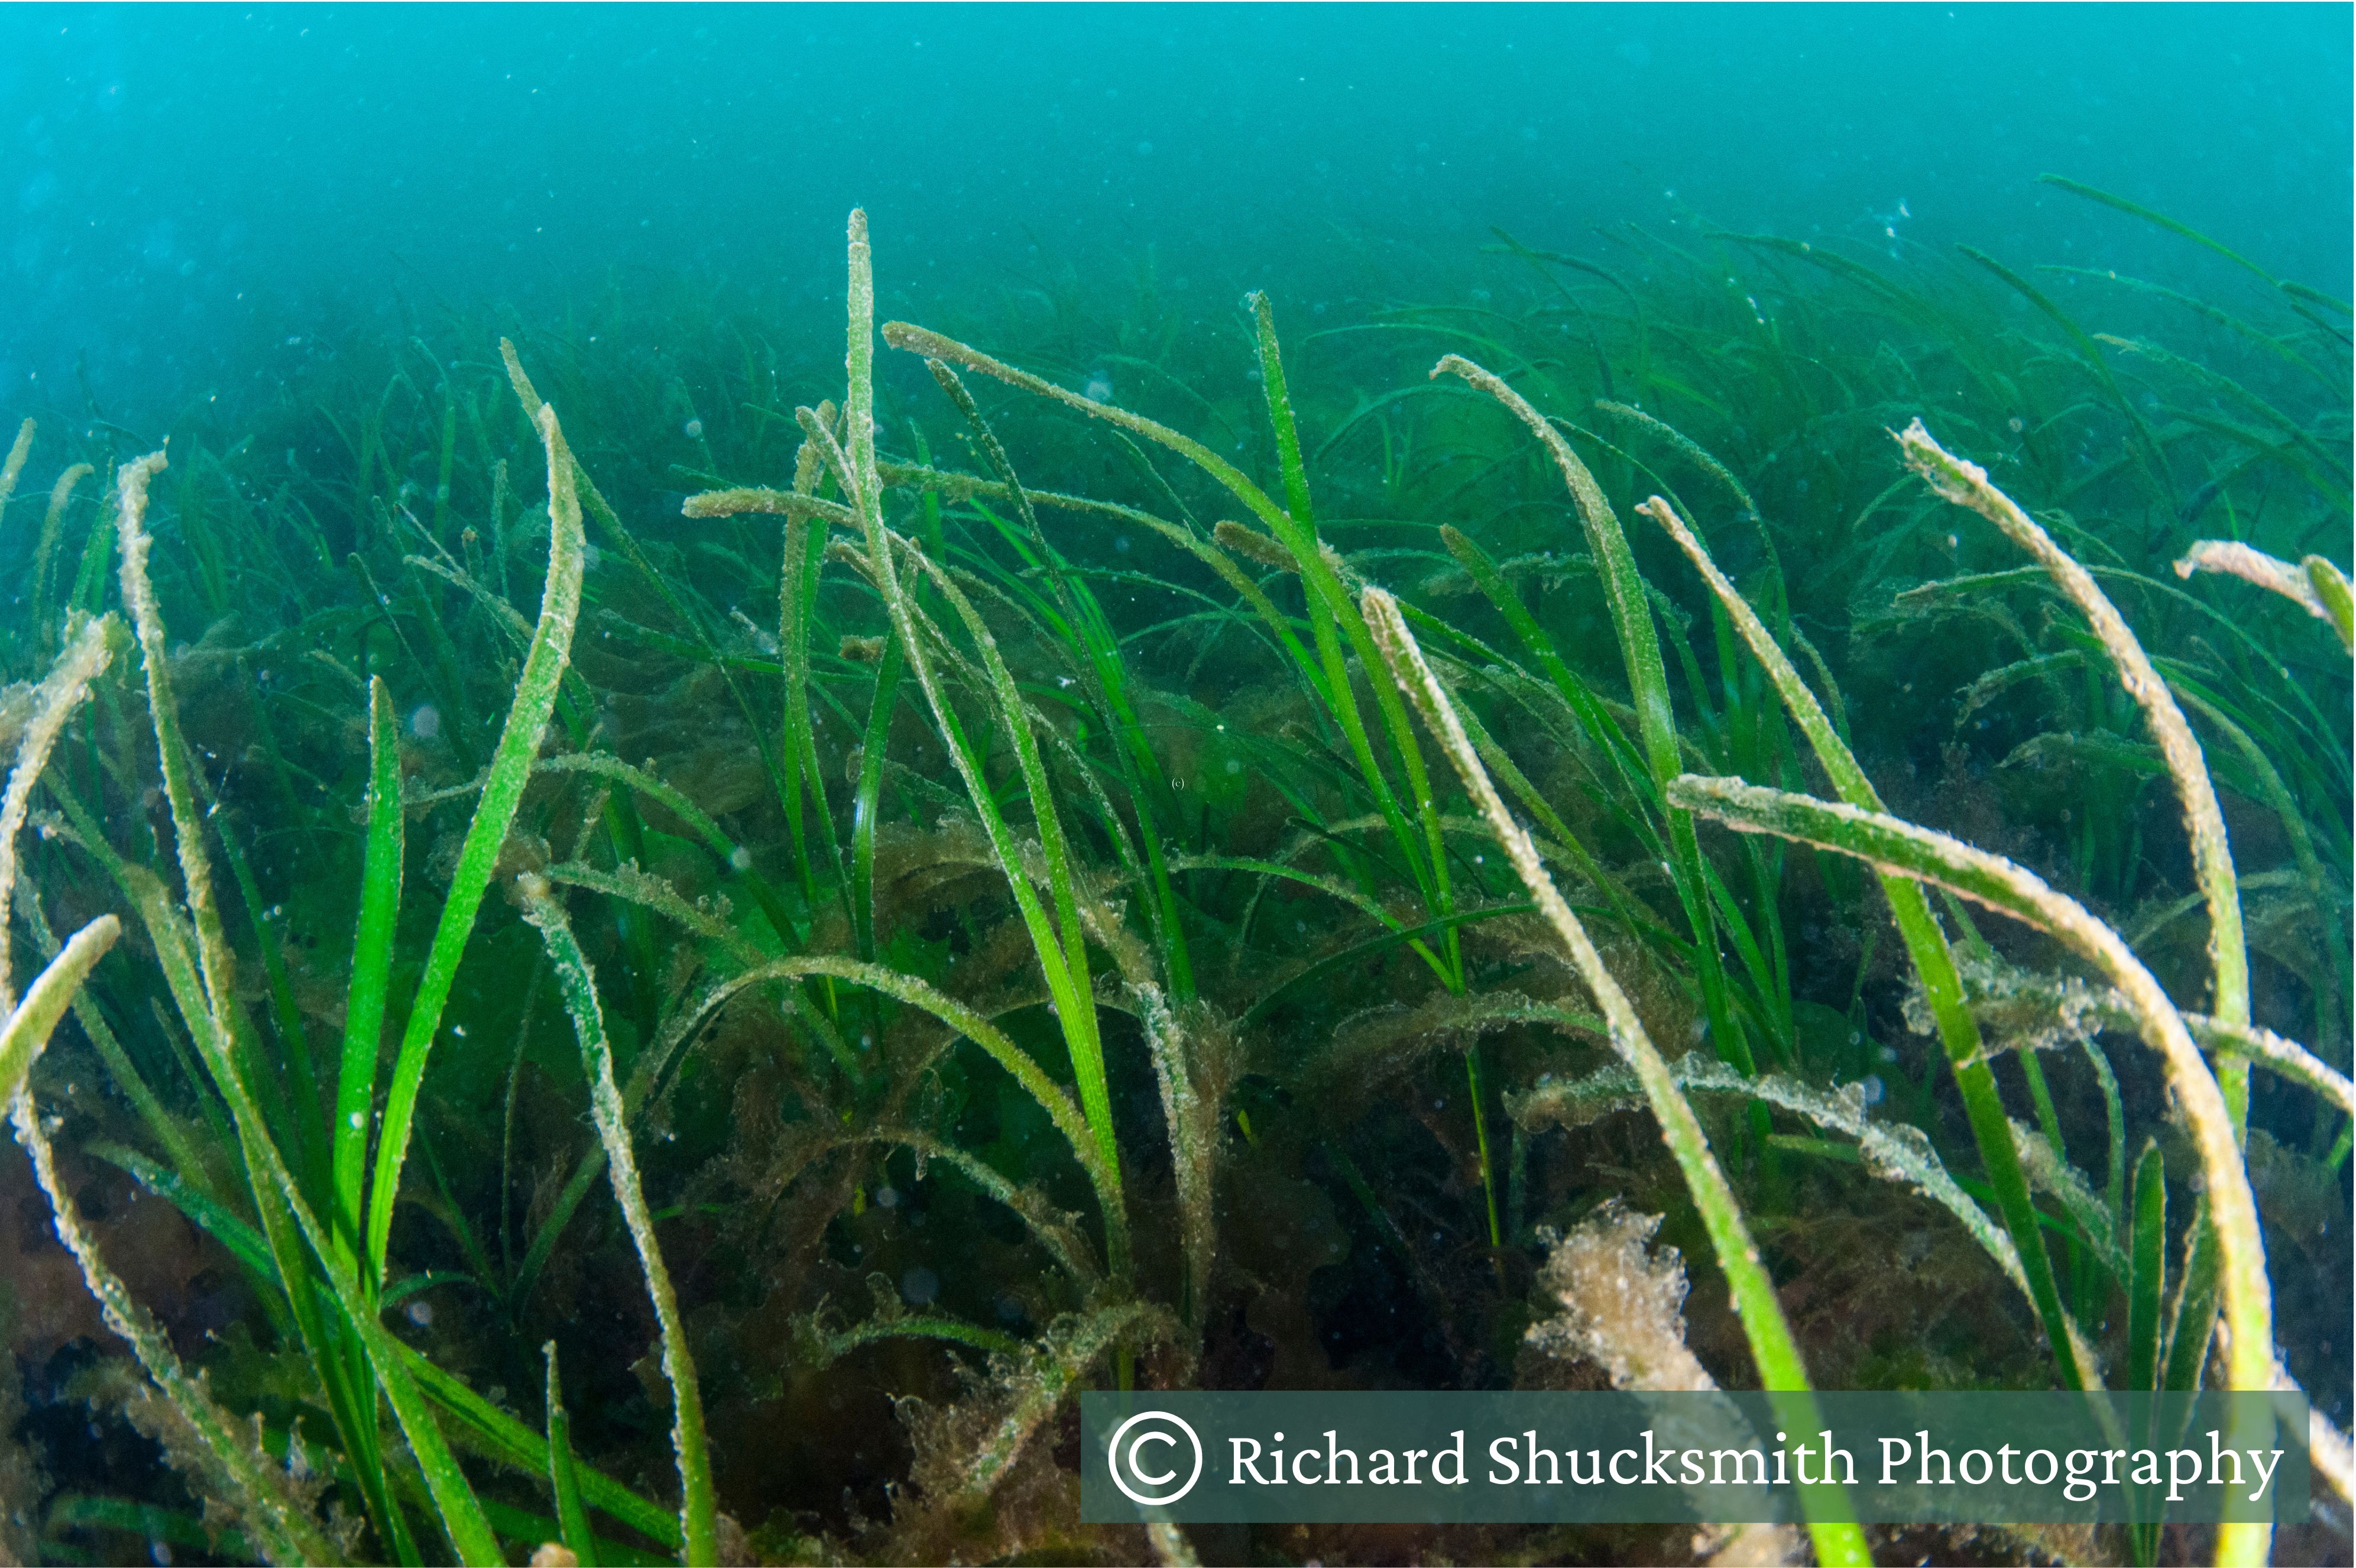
pixel 651 934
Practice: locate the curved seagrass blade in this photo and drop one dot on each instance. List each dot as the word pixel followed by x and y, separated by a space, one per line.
pixel 1887 843
pixel 1837 1537
pixel 1933 961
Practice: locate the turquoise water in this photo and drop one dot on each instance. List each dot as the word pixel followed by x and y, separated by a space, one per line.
pixel 188 182
pixel 851 901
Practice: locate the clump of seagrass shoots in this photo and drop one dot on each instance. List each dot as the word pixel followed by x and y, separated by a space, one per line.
pixel 1037 958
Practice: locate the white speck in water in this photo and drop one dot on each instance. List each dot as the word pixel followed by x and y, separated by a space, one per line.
pixel 1233 767
pixel 740 859
pixel 1120 544
pixel 421 1313
pixel 887 1197
pixel 357 1120
pixel 1874 1089
pixel 693 429
pixel 425 721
